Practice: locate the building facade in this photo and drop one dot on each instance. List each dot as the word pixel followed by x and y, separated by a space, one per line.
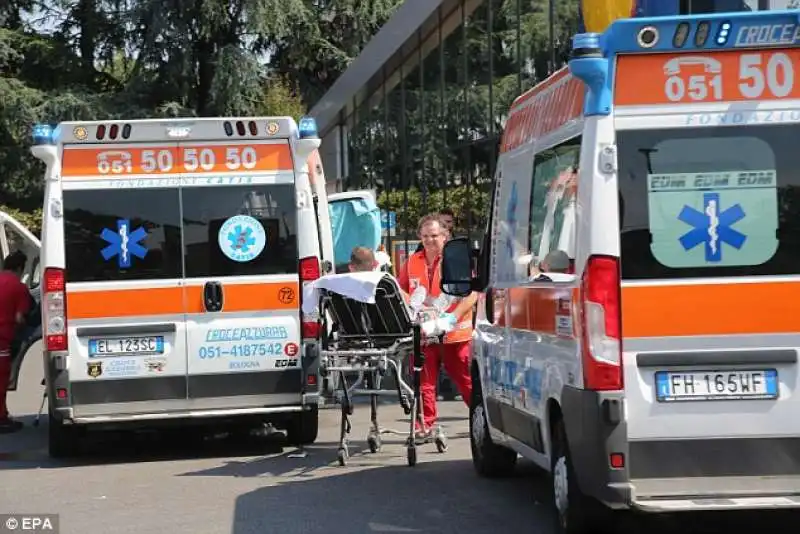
pixel 417 117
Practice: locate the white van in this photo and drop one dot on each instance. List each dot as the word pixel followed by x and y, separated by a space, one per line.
pixel 173 254
pixel 15 236
pixel 637 331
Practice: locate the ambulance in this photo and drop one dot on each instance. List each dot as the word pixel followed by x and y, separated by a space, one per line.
pixel 637 333
pixel 173 254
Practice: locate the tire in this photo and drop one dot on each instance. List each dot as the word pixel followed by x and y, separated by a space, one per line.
pixel 574 512
pixel 489 459
pixel 62 441
pixel 303 428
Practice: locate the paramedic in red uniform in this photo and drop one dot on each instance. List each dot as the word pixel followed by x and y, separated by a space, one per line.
pixel 14 303
pixel 424 268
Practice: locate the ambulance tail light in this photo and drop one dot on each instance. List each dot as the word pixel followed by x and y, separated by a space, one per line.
pixel 601 325
pixel 54 310
pixel 309 271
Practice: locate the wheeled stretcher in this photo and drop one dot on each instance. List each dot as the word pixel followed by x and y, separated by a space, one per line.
pixel 368 340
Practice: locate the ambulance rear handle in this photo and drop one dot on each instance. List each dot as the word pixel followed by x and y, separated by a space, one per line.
pixel 212 296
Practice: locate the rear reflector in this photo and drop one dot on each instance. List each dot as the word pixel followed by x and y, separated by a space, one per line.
pixel 617 460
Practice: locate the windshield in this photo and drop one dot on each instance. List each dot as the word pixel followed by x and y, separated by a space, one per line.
pixel 709 202
pixel 174 233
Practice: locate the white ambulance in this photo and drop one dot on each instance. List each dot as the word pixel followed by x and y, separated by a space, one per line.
pixel 173 255
pixel 638 333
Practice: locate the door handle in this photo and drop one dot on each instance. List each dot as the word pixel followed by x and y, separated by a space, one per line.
pixel 212 296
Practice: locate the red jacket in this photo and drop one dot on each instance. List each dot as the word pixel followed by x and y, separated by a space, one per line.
pixel 14 299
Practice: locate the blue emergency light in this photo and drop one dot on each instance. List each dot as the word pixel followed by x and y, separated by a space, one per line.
pixel 307 128
pixel 44 134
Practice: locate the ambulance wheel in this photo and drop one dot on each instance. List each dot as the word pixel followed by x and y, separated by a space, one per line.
pixel 575 512
pixel 62 441
pixel 303 428
pixel 489 459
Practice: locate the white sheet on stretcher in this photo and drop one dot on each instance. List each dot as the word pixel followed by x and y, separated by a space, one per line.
pixel 361 287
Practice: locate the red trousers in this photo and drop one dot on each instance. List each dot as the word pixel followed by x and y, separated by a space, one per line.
pixel 5 374
pixel 456 360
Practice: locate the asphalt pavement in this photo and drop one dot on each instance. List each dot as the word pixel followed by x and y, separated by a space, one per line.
pixel 218 485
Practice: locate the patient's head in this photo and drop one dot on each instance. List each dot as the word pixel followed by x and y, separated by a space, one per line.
pixel 362 259
pixel 556 261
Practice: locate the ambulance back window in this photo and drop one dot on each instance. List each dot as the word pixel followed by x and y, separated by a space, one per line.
pixel 193 232
pixel 95 220
pixel 211 222
pixel 717 201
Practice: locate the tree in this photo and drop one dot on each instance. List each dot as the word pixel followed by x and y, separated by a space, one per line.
pixel 326 39
pixel 135 59
pixel 153 58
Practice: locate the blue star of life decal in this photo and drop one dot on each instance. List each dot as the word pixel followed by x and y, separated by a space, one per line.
pixel 123 243
pixel 241 238
pixel 712 227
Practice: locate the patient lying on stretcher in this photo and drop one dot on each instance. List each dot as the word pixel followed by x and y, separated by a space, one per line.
pixel 362 286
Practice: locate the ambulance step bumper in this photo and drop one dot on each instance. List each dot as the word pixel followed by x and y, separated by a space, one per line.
pixel 715 493
pixel 190 414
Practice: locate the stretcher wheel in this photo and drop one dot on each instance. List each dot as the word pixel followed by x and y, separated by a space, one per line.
pixel 374 443
pixel 441 444
pixel 343 455
pixel 411 455
pixel 406 405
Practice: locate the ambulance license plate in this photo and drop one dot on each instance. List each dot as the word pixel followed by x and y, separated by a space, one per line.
pixel 747 384
pixel 126 345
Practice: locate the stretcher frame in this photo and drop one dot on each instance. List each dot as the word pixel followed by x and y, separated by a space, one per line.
pixel 370 340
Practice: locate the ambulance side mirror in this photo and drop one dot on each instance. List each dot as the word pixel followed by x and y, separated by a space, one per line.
pixel 457 268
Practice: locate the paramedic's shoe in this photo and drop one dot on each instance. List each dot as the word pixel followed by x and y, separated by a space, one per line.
pixel 10 426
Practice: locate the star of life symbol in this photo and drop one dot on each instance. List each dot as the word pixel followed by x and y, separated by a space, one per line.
pixel 712 227
pixel 123 243
pixel 241 238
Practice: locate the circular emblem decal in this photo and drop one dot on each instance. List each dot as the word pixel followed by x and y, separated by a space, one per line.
pixel 242 238
pixel 286 295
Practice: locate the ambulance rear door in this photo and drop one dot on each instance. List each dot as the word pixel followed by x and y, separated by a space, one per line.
pixel 240 232
pixel 118 233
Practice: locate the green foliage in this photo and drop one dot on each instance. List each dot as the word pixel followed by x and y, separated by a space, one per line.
pixel 31 220
pixel 470 204
pixel 106 59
